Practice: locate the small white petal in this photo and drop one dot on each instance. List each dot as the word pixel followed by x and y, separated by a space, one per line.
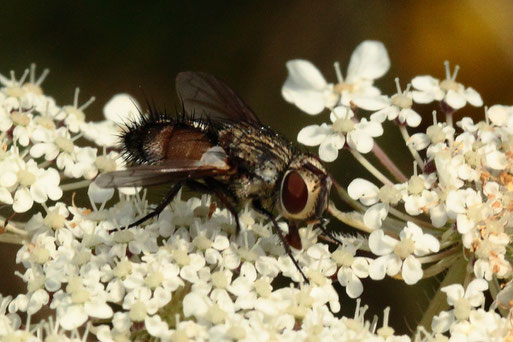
pixel 368 61
pixel 412 118
pixel 414 204
pixel 474 291
pixel 5 196
pixel 464 224
pixel 438 215
pixel 381 244
pixel 360 140
pixel 22 200
pixel 425 83
pixel 426 244
pixel 121 108
pixel 412 270
pixel 99 195
pixel 221 243
pixel 37 300
pixel 419 141
pixel 473 97
pixel 304 86
pixel 313 135
pixel 455 99
pixel 98 309
pixel 377 268
pixel 498 115
pixel 72 317
pixel 156 326
pixel 360 267
pixel 353 285
pixel 372 128
pixel 422 97
pixel 194 304
pixel 375 215
pixel 371 103
pixel 454 292
pixel 328 150
pixel 8 179
pixel 442 322
pixel 496 160
pixel 363 190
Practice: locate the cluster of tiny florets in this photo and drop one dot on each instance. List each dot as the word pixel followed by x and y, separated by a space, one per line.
pixel 187 275
pixel 455 208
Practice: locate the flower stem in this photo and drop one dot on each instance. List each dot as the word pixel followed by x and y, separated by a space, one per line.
pixel 352 219
pixel 76 185
pixel 438 256
pixel 342 192
pixel 12 227
pixel 414 153
pixel 388 163
pixel 375 172
pixel 14 239
pixel 448 119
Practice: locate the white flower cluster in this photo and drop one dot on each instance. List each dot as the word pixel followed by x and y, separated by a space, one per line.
pixel 458 203
pixel 184 276
pixel 187 276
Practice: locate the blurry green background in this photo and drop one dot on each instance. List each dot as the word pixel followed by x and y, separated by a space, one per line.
pixel 139 47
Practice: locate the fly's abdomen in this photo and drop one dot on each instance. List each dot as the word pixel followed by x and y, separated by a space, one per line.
pixel 156 140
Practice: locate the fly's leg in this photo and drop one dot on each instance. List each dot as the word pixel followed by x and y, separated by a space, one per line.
pixel 327 233
pixel 162 205
pixel 258 206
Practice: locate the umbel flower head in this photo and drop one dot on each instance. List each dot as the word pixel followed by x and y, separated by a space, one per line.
pixel 187 276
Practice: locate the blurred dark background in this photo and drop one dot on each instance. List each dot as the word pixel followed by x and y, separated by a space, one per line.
pixel 139 47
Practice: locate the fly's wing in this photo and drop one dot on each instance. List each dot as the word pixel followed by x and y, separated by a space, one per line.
pixel 204 94
pixel 212 163
pixel 147 175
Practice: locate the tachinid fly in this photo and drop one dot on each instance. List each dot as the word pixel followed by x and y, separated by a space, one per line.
pixel 218 145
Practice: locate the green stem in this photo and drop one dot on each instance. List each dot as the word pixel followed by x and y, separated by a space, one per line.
pixel 388 163
pixel 14 239
pixel 414 153
pixel 342 192
pixel 352 219
pixel 76 185
pixel 371 168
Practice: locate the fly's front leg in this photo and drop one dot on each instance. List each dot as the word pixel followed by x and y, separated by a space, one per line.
pixel 321 226
pixel 258 206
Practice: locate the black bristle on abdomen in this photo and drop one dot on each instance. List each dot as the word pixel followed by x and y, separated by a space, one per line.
pixel 137 133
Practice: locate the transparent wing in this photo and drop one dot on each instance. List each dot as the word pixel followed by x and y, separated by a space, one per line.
pixel 170 171
pixel 204 94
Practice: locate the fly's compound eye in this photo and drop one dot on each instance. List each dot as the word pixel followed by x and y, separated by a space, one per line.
pixel 304 194
pixel 294 193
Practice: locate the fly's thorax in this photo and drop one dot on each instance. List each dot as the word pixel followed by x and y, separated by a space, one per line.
pixel 304 189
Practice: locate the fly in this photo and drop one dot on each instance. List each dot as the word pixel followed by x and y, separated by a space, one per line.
pixel 218 145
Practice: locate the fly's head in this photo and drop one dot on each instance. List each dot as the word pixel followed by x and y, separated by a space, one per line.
pixel 304 189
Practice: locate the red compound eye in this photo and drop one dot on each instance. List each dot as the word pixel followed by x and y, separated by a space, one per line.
pixel 294 193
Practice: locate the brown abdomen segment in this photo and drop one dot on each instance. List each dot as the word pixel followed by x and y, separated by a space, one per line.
pixel 165 141
pixel 172 143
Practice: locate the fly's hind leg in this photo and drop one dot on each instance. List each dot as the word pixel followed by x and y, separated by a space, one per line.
pixel 162 205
